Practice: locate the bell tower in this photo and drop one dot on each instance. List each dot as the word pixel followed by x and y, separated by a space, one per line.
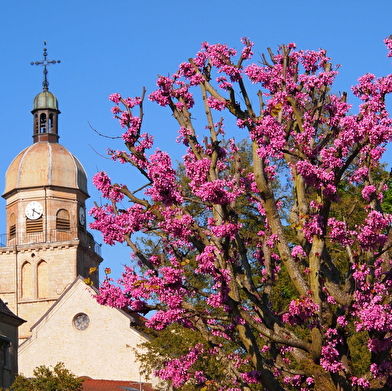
pixel 45 111
pixel 46 245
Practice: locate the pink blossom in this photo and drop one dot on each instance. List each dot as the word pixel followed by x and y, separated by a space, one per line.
pixel 206 260
pixel 132 102
pixel 341 321
pixel 247 52
pixel 339 232
pixel 111 295
pixel 368 192
pixel 102 182
pixel 381 370
pixel 314 226
pixel 388 43
pixel 252 377
pixel 229 230
pixel 301 311
pixel 200 377
pixel 330 355
pixel 164 187
pixel 361 382
pixel 215 300
pixel 115 98
pixel 176 224
pixel 309 380
pixel 216 103
pixel 374 316
pixel 298 251
pixel 108 223
pixel 218 192
pixel 372 235
pixel 223 83
pixel 265 349
pixel 176 370
pixel 161 319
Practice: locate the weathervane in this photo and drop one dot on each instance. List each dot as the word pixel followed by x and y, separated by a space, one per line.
pixel 45 63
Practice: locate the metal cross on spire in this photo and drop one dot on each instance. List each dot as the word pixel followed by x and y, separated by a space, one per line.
pixel 45 63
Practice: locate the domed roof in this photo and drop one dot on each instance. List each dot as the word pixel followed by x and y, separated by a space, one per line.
pixel 45 164
pixel 45 100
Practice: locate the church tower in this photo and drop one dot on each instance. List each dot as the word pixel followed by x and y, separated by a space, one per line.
pixel 46 245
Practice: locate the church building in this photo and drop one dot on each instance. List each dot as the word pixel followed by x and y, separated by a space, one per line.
pixel 46 255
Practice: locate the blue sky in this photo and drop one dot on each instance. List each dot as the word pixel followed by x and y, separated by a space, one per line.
pixel 120 46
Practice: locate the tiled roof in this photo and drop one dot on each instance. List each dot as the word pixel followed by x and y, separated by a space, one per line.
pixel 113 385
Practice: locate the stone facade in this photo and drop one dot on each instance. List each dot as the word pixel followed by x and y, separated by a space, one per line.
pixel 34 276
pixel 102 348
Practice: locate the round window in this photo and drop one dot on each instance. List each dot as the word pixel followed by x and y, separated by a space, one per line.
pixel 81 321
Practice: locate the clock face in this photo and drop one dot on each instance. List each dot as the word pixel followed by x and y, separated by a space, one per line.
pixel 81 321
pixel 34 210
pixel 82 216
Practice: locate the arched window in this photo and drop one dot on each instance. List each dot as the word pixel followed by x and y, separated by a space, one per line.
pixel 42 123
pixel 62 220
pixel 42 280
pixel 27 280
pixel 12 226
pixel 50 125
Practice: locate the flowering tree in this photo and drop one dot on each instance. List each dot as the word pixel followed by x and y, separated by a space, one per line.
pixel 223 244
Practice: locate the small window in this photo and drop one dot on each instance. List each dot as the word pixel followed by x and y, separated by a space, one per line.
pixel 50 125
pixel 12 226
pixel 7 357
pixel 42 123
pixel 81 321
pixel 62 220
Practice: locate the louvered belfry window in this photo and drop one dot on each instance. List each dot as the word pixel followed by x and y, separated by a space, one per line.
pixel 62 220
pixel 34 225
pixel 12 225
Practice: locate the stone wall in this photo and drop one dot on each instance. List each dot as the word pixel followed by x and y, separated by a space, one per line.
pixel 103 350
